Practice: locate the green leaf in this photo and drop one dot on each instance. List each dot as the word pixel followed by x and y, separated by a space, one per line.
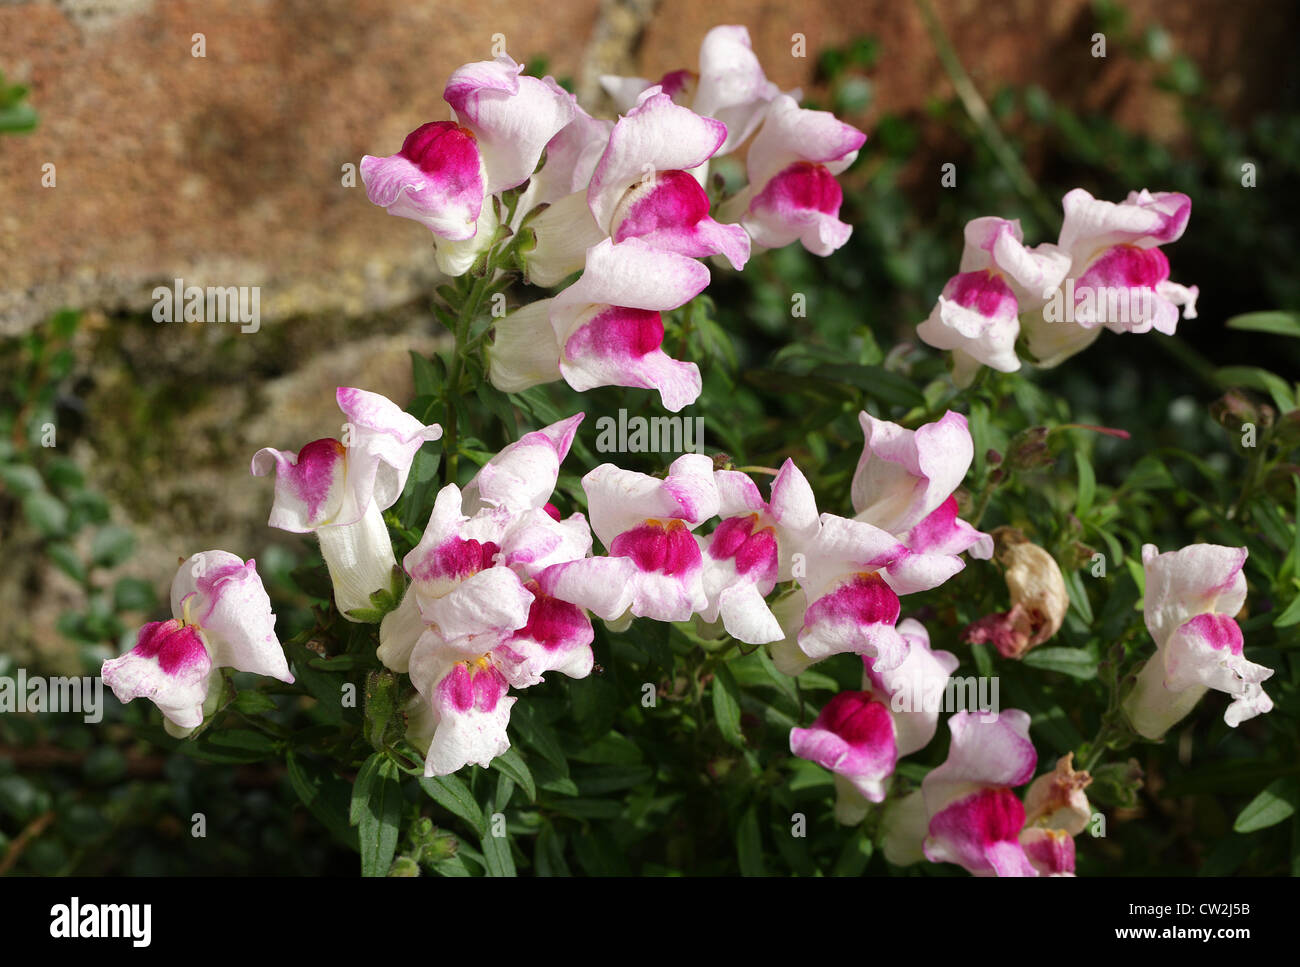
pixel 525 721
pixel 134 594
pixel 1277 802
pixel 887 386
pixel 1290 616
pixel 111 546
pixel 361 786
pixel 1149 474
pixel 45 512
pixel 253 703
pixel 1078 596
pixel 726 706
pixel 453 795
pixel 854 856
pixel 599 780
pixel 497 853
pixel 20 478
pixel 1087 485
pixel 67 560
pixel 427 374
pixel 1253 377
pixel 782 681
pixel 1279 323
pixel 548 853
pixel 17 119
pixel 1076 662
pixel 247 739
pixel 749 845
pixel 324 795
pixel 379 820
pixel 511 764
pixel 369 616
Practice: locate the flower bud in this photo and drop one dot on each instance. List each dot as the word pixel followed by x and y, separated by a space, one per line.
pixel 1029 449
pixel 1232 409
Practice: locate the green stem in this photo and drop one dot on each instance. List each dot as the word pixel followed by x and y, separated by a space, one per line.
pixel 468 312
pixel 982 504
pixel 982 118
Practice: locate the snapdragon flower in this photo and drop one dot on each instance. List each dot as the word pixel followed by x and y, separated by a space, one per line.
pixel 1190 601
pixel 643 187
pixel 446 172
pixel 730 85
pixel 340 489
pixel 1118 277
pixel 497 600
pixel 221 618
pixel 965 811
pixel 753 547
pixel 904 484
pixel 792 193
pixel 649 522
pixel 605 329
pixel 978 312
pixel 861 735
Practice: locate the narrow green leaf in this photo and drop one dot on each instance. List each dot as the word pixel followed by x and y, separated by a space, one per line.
pixel 749 845
pixel 361 787
pixel 453 795
pixel 380 820
pixel 1279 323
pixel 1087 485
pixel 726 706
pixel 1277 802
pixel 1076 662
pixel 497 853
pixel 511 764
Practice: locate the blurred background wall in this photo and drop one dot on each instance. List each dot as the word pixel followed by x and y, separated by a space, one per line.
pixel 228 166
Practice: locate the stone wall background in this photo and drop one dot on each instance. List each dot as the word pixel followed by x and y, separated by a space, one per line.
pixel 226 170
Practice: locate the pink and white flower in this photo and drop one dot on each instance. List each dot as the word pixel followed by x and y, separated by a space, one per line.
pixel 860 736
pixel 1191 598
pixel 845 602
pixel 458 597
pixel 339 490
pixel 753 547
pixel 978 313
pixel 221 618
pixel 966 809
pixel 447 171
pixel 1118 277
pixel 461 712
pixel 730 85
pixel 606 328
pixel 643 187
pixel 792 193
pixel 649 521
pixel 904 485
pixel 522 476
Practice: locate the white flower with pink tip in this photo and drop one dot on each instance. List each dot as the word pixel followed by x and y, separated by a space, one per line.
pixel 221 618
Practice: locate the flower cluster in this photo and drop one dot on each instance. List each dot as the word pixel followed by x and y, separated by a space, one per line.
pixel 1105 270
pixel 620 204
pixel 500 587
